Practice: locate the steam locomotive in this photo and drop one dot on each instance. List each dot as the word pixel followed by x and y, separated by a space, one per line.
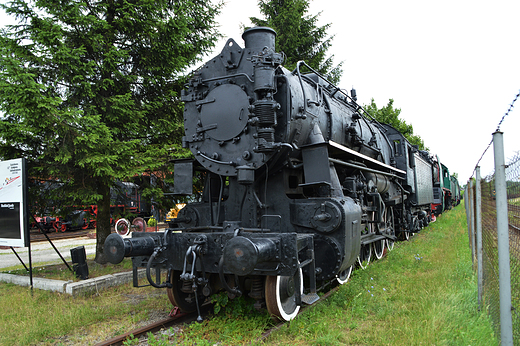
pixel 300 186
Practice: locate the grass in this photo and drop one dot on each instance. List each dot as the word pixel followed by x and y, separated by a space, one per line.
pixel 48 318
pixel 423 293
pixel 514 201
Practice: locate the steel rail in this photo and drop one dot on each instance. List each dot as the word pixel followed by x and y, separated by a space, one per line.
pixel 156 326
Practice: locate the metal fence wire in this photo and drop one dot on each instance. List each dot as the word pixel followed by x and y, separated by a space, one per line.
pixel 490 268
pixel 513 211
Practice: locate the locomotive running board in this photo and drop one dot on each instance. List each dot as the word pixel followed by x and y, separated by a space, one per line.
pixel 344 151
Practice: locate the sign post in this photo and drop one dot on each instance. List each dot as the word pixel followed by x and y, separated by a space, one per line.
pixel 14 225
pixel 14 230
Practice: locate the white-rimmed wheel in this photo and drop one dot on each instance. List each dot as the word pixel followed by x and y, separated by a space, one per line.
pixel 280 295
pixel 406 235
pixel 343 276
pixel 379 248
pixel 365 254
pixel 388 216
pixel 122 227
pixel 379 245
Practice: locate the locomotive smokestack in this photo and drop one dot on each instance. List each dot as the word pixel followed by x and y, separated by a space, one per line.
pixel 259 37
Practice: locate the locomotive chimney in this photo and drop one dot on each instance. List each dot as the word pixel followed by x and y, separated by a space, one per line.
pixel 259 37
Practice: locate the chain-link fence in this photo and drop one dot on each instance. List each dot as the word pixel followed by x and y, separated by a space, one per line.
pixel 484 211
pixel 513 206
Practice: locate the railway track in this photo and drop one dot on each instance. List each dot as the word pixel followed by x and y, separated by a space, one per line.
pixel 181 318
pixel 178 319
pixel 155 327
pixel 36 236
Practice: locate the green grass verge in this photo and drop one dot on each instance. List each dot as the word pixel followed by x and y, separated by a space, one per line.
pixel 423 293
pixel 48 318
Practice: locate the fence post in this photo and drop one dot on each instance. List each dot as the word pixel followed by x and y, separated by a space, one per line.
pixel 466 205
pixel 471 223
pixel 504 270
pixel 478 212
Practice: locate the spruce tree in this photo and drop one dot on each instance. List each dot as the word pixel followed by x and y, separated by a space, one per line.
pixel 390 115
pixel 90 90
pixel 299 36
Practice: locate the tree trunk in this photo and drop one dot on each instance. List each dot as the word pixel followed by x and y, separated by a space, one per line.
pixel 103 222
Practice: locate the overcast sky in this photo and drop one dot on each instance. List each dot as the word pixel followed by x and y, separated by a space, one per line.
pixel 452 67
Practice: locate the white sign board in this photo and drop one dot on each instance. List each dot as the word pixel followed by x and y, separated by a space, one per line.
pixel 14 230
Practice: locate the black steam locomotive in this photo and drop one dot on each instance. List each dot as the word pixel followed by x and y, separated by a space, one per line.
pixel 299 185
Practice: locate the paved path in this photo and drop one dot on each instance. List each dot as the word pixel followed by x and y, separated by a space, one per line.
pixel 42 252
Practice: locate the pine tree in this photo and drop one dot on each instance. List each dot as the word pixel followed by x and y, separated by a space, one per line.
pixel 298 35
pixel 390 115
pixel 90 90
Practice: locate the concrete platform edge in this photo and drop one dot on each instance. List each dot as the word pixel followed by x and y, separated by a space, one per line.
pixel 88 286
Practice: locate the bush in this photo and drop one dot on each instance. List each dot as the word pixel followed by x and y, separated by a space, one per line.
pixel 152 222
